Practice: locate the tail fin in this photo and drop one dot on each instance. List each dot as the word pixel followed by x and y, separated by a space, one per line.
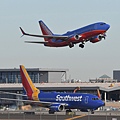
pixel 77 88
pixel 98 93
pixel 31 91
pixel 45 30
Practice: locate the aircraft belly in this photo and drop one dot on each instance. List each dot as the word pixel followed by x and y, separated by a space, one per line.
pixel 93 33
pixel 85 35
pixel 57 44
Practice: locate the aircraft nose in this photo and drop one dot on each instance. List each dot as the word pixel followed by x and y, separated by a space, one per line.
pixel 107 26
pixel 103 103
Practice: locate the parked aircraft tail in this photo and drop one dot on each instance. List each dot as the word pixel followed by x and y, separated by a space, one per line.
pixel 45 30
pixel 98 93
pixel 31 91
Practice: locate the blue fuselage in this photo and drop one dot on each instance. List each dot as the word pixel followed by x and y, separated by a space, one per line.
pixel 72 100
pixel 86 32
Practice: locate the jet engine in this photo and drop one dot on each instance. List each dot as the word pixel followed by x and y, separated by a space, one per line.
pixel 56 107
pixel 77 37
pixel 97 38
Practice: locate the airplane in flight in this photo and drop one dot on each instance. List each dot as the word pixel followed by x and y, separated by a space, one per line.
pixel 56 101
pixel 94 33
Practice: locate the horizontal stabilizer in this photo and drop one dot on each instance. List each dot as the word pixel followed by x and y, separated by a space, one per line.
pixel 39 42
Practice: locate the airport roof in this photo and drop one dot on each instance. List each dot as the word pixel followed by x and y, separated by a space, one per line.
pixel 66 86
pixel 36 69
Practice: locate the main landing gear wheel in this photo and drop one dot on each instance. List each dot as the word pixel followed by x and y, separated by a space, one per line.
pixel 92 112
pixel 68 111
pixel 71 45
pixel 51 112
pixel 81 45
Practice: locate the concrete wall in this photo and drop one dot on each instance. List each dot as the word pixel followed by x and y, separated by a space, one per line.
pixel 54 77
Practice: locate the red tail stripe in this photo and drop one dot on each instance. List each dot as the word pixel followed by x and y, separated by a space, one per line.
pixel 26 84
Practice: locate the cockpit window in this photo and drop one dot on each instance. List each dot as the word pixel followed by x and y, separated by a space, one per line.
pixel 102 24
pixel 95 98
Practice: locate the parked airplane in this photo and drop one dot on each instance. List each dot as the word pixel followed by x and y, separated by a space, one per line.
pixel 93 33
pixel 57 102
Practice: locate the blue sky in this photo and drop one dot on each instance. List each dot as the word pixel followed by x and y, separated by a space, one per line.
pixel 60 16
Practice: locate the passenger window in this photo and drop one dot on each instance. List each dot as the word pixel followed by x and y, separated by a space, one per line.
pixel 95 99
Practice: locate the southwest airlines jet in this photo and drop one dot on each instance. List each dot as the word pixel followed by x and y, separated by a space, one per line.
pixel 94 33
pixel 57 102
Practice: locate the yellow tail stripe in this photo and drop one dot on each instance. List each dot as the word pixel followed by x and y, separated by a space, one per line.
pixel 28 78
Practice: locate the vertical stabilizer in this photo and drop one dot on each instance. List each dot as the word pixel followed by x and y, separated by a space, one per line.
pixel 98 93
pixel 31 91
pixel 45 30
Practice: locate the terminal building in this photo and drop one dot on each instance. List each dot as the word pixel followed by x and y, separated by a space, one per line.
pixel 38 75
pixel 116 75
pixel 10 79
pixel 103 79
pixel 49 80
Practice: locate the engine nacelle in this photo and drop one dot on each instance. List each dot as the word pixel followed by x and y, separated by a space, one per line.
pixel 77 37
pixel 56 107
pixel 97 38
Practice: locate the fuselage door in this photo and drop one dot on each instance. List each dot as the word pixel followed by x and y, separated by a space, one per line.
pixel 86 99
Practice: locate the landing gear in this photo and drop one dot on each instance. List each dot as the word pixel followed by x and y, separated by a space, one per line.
pixel 70 112
pixel 81 45
pixel 92 112
pixel 71 45
pixel 51 112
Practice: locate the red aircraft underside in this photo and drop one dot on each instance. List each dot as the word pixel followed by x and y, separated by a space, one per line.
pixel 83 38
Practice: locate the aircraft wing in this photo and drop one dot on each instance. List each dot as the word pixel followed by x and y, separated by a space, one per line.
pixel 43 104
pixel 39 103
pixel 45 36
pixel 13 94
pixel 21 100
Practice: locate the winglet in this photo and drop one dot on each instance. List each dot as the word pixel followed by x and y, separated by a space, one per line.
pixel 22 31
